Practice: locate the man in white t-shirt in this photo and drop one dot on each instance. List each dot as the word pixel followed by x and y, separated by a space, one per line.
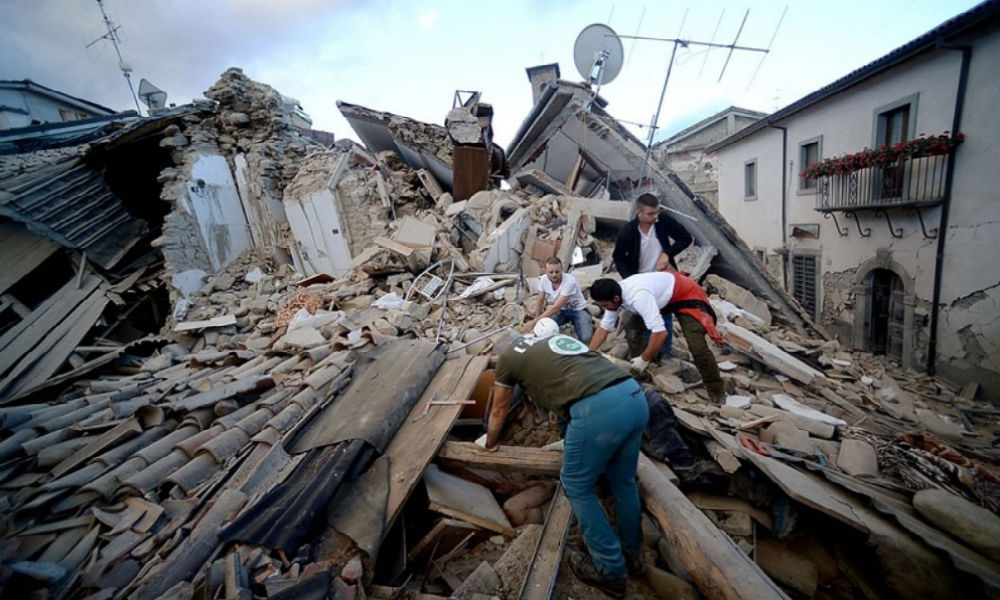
pixel 651 296
pixel 568 303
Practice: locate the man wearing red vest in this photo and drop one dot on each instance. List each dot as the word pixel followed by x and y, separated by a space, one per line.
pixel 650 295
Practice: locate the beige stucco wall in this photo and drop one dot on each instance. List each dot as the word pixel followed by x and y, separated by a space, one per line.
pixel 757 221
pixel 969 332
pixel 970 290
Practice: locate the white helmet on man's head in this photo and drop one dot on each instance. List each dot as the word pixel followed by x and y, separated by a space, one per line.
pixel 545 327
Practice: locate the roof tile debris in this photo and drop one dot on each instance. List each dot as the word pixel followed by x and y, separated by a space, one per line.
pixel 171 465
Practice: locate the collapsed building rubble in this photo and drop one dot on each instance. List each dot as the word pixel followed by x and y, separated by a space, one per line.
pixel 300 426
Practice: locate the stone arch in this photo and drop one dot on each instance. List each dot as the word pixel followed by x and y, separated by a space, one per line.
pixel 863 295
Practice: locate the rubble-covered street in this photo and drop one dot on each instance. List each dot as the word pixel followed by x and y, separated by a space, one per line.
pixel 247 363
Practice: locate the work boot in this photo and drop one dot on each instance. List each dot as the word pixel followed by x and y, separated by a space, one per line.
pixel 583 569
pixel 634 565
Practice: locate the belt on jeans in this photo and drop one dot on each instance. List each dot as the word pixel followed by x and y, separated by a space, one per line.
pixel 610 385
pixel 616 382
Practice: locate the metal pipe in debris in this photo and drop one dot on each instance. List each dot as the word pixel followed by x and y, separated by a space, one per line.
pixel 480 338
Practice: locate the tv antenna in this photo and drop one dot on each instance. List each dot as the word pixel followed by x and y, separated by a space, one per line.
pixel 597 39
pixel 112 35
pixel 599 56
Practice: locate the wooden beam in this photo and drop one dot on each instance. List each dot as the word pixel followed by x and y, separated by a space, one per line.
pixel 48 355
pixel 718 566
pixel 418 439
pixel 534 461
pixel 220 321
pixel 541 577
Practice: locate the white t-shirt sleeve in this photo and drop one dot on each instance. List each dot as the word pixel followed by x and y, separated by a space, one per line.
pixel 609 320
pixel 644 304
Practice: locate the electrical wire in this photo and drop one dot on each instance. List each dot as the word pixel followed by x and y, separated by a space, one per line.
pixel 763 56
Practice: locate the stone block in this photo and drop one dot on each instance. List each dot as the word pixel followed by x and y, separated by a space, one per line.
pixel 788 435
pixel 415 233
pixel 857 457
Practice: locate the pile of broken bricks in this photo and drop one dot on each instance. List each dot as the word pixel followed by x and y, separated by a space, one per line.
pixel 128 473
pixel 837 473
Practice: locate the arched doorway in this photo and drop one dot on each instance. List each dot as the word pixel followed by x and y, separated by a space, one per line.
pixel 884 318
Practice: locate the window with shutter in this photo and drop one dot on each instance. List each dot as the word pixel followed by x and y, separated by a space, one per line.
pixel 804 281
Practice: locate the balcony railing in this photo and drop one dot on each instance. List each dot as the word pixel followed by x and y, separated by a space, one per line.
pixel 911 183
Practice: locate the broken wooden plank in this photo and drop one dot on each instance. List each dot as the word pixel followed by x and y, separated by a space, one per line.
pixel 50 353
pixel 711 502
pixel 534 461
pixel 394 246
pixel 445 531
pixel 220 321
pixel 969 390
pixel 43 319
pixel 417 441
pixel 756 423
pixel 750 343
pixel 465 500
pixel 541 576
pixel 717 565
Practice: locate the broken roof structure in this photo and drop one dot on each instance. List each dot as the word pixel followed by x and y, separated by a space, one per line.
pixel 290 415
pixel 593 153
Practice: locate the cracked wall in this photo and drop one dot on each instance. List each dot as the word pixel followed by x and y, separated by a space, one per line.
pixel 969 342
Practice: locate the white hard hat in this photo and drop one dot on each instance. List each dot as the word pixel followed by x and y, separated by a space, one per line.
pixel 545 327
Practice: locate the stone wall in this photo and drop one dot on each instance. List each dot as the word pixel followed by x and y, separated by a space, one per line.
pixel 248 124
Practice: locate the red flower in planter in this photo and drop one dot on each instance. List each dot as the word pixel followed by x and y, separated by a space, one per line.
pixel 885 155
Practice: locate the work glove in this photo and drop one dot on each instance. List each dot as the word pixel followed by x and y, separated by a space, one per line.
pixel 639 364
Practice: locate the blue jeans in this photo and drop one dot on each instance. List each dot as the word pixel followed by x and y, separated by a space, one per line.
pixel 604 436
pixel 637 335
pixel 668 321
pixel 581 320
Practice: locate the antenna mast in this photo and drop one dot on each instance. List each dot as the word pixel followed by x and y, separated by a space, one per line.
pixel 113 36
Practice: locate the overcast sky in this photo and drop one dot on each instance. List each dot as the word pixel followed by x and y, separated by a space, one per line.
pixel 410 57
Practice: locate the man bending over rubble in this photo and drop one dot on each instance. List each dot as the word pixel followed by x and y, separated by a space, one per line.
pixel 651 295
pixel 568 301
pixel 608 413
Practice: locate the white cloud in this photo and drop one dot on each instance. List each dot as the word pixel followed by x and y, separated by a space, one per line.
pixel 427 19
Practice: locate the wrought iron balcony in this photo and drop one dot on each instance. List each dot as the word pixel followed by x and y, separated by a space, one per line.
pixel 911 183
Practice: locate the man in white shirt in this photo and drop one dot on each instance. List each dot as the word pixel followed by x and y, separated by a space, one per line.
pixel 650 296
pixel 568 303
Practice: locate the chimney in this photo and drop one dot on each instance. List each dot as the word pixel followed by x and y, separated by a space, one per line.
pixel 541 75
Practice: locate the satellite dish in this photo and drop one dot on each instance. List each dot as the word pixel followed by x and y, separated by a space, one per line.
pixel 598 54
pixel 152 96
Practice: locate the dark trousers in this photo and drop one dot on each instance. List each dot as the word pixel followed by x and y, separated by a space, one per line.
pixel 695 334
